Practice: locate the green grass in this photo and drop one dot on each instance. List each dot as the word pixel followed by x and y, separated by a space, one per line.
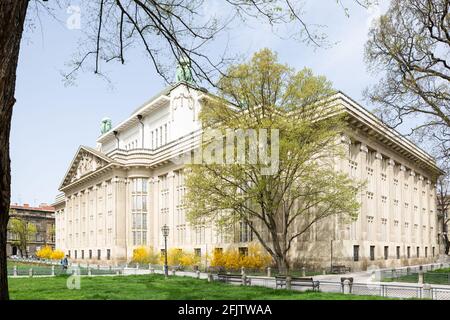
pixel 155 287
pixel 439 276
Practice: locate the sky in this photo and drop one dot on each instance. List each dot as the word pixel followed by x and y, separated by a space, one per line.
pixel 51 119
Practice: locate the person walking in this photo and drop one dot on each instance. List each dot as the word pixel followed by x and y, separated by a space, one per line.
pixel 65 263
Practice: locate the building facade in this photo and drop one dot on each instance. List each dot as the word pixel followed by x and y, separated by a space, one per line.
pixel 118 195
pixel 43 217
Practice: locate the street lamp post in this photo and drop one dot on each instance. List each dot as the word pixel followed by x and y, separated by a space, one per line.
pixel 165 232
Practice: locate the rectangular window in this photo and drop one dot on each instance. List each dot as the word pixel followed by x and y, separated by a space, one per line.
pixel 243 251
pixel 90 254
pixel 75 254
pixel 82 254
pixel 432 250
pixel 218 250
pixel 108 254
pixel 398 252
pixel 418 252
pixel 355 253
pixel 372 253
pixel 245 232
pixel 426 252
pixel 153 141
pixel 198 252
pixel 408 252
pixel 139 210
pixel 99 254
pixel 165 133
pixel 386 252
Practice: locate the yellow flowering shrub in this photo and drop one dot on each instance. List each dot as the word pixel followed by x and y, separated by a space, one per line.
pixel 57 255
pixel 217 258
pixel 144 255
pixel 231 259
pixel 189 259
pixel 256 258
pixel 45 252
pixel 176 256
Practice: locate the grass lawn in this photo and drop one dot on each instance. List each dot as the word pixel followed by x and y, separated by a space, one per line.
pixel 439 276
pixel 155 287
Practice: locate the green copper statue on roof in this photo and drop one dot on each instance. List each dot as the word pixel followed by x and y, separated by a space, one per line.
pixel 106 125
pixel 184 72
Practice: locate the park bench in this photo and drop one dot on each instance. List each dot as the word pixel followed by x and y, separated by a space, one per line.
pixel 339 269
pixel 280 281
pixel 233 278
pixel 177 268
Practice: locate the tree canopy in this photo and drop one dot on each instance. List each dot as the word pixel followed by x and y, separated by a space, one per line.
pixel 409 45
pixel 303 186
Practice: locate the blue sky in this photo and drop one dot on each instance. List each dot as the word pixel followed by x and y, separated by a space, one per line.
pixel 51 119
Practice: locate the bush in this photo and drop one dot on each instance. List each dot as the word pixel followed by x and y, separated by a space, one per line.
pixel 231 259
pixel 144 255
pixel 57 255
pixel 45 252
pixel 189 260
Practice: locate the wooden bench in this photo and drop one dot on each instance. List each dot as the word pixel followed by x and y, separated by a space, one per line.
pixel 177 268
pixel 280 281
pixel 233 278
pixel 339 269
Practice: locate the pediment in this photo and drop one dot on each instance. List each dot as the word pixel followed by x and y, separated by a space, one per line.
pixel 86 161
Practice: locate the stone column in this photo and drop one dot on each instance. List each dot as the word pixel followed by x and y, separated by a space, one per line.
pixel 361 159
pixel 379 213
pixel 427 292
pixel 244 279
pixel 421 277
pixel 171 214
pixel 394 225
pixel 288 282
pixel 269 273
pixel 406 233
pixel 346 287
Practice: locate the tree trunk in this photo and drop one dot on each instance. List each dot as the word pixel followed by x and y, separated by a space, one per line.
pixel 447 244
pixel 12 17
pixel 282 265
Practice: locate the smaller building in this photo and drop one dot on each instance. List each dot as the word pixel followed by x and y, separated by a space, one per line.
pixel 43 217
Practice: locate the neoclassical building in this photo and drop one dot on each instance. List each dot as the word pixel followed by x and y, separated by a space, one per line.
pixel 117 195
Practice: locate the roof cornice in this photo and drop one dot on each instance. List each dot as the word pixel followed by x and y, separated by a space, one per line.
pixel 368 119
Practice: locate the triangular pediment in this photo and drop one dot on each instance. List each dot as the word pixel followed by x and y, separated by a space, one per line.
pixel 86 161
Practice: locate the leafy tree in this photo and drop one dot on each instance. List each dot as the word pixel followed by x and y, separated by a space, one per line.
pixel 304 188
pixel 24 232
pixel 410 45
pixel 167 30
